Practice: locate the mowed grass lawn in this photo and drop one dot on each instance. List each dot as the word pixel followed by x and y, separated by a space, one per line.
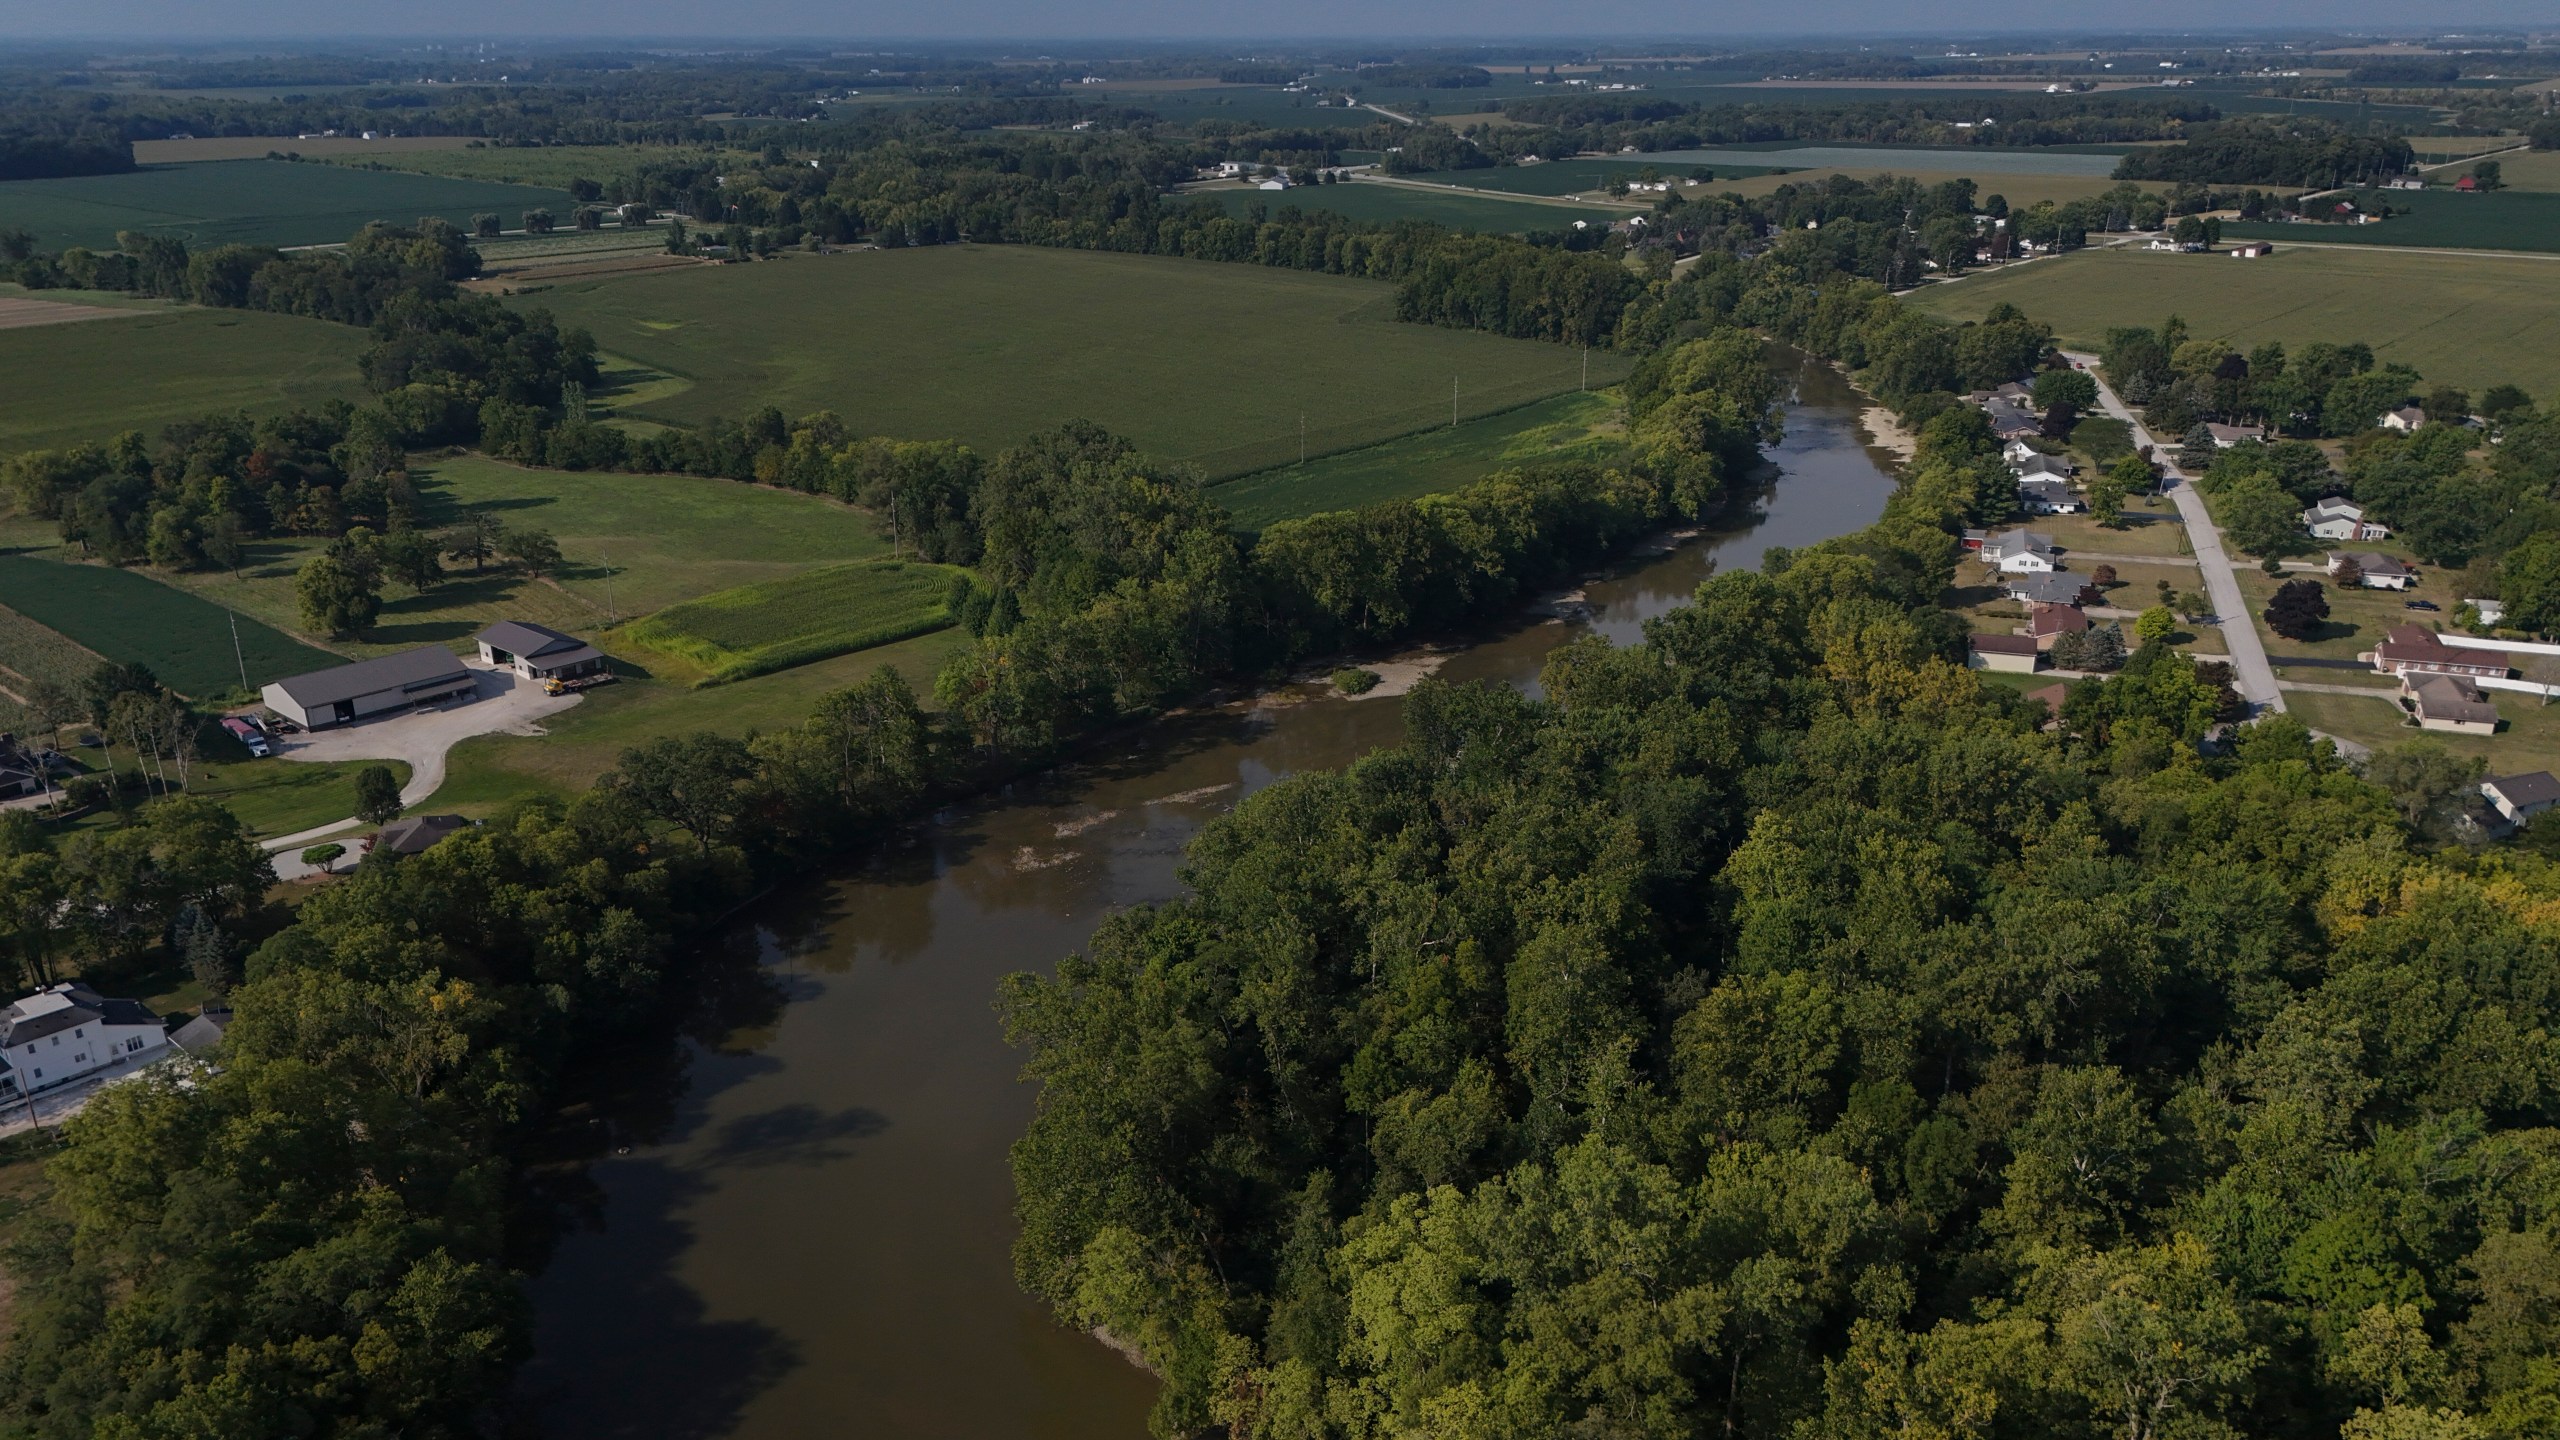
pixel 815 615
pixel 2528 740
pixel 1567 427
pixel 1387 203
pixel 125 615
pixel 256 202
pixel 2475 321
pixel 1210 364
pixel 63 384
pixel 630 544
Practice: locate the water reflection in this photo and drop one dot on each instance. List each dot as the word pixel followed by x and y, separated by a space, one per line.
pixel 809 1233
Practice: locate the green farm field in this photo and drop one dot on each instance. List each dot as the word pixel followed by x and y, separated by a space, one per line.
pixel 123 615
pixel 631 544
pixel 2475 321
pixel 1574 176
pixel 32 655
pixel 2436 218
pixel 2531 172
pixel 1568 427
pixel 815 615
pixel 1388 203
pixel 140 371
pixel 260 202
pixel 545 165
pixel 1209 364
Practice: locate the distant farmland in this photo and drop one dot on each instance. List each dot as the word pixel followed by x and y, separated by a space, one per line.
pixel 2473 320
pixel 260 202
pixel 1372 200
pixel 187 641
pixel 142 370
pixel 1216 365
pixel 1569 427
pixel 2448 219
pixel 1567 177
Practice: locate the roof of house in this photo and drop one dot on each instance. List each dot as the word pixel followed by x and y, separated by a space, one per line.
pixel 2019 541
pixel 2054 619
pixel 2368 562
pixel 64 1006
pixel 2045 487
pixel 2008 419
pixel 2036 465
pixel 408 837
pixel 2235 432
pixel 2450 697
pixel 203 1032
pixel 2061 589
pixel 2409 415
pixel 417 669
pixel 2418 645
pixel 2534 787
pixel 2003 644
pixel 525 638
pixel 2334 505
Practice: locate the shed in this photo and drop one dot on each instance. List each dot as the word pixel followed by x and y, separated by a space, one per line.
pixel 370 687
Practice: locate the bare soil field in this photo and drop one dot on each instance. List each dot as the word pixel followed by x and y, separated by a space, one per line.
pixel 22 314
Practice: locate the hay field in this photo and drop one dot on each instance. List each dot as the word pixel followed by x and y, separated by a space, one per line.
pixel 1209 364
pixel 258 202
pixel 2474 320
pixel 69 383
pixel 815 615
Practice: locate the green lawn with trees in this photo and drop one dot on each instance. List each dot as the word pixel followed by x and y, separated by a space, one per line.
pixel 1215 365
pixel 140 371
pixel 2473 320
pixel 256 202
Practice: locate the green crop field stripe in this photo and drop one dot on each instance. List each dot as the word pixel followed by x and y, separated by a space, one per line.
pixel 816 615
pixel 124 616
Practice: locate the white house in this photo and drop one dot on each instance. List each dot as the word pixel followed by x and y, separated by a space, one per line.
pixel 2020 552
pixel 2381 572
pixel 350 693
pixel 2226 436
pixel 2338 518
pixel 537 652
pixel 2043 467
pixel 2404 419
pixel 58 1035
pixel 2019 452
pixel 2041 496
pixel 2489 611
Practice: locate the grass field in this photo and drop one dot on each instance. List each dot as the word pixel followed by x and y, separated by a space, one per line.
pixel 279 797
pixel 2500 220
pixel 32 654
pixel 1567 427
pixel 185 639
pixel 2529 740
pixel 263 202
pixel 2476 321
pixel 1570 177
pixel 68 383
pixel 815 615
pixel 632 544
pixel 1214 365
pixel 257 147
pixel 547 165
pixel 1384 203
pixel 2533 172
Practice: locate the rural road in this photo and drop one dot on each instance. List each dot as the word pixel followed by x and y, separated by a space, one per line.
pixel 2256 678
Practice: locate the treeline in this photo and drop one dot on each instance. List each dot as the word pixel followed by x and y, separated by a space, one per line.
pixel 351 285
pixel 1776 1031
pixel 2267 150
pixel 29 154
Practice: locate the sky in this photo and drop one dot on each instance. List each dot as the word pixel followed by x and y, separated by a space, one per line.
pixel 1302 20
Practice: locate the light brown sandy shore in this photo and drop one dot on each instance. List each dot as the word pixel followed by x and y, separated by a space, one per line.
pixel 1885 432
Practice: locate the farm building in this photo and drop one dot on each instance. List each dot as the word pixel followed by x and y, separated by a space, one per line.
pixel 2255 249
pixel 537 652
pixel 369 687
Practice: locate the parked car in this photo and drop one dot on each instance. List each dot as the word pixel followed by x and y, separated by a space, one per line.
pixel 2417 605
pixel 246 731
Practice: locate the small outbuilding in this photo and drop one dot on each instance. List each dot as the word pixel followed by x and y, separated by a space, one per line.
pixel 370 687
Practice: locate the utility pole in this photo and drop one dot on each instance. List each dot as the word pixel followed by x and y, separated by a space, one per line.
pixel 234 617
pixel 1453 402
pixel 608 591
pixel 1302 437
pixel 1586 367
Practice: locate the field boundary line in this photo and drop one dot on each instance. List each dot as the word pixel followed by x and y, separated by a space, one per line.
pixel 1312 457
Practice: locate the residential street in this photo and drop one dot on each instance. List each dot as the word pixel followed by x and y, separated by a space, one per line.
pixel 2254 677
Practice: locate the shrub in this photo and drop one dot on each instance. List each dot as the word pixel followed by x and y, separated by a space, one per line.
pixel 1352 680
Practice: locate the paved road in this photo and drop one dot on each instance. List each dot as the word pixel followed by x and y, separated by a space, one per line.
pixel 2256 679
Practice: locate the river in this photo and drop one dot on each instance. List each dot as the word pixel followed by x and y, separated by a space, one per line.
pixel 800 1225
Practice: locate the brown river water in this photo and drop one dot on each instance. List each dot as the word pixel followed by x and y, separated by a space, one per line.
pixel 798 1223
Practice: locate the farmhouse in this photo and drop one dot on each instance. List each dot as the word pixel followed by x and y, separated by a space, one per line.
pixel 2404 419
pixel 537 652
pixel 2048 497
pixel 2381 572
pixel 369 687
pixel 2415 650
pixel 2448 702
pixel 2020 552
pixel 2337 518
pixel 2018 653
pixel 2226 436
pixel 60 1034
pixel 2521 797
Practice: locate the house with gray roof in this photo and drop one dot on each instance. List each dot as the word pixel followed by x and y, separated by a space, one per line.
pixel 349 693
pixel 69 1031
pixel 2521 797
pixel 537 652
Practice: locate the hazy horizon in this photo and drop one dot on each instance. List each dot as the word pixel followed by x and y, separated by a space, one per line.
pixel 982 22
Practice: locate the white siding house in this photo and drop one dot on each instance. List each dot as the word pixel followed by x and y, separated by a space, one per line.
pixel 2336 518
pixel 59 1035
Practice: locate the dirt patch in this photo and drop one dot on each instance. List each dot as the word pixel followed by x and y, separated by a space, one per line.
pixel 1886 433
pixel 22 314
